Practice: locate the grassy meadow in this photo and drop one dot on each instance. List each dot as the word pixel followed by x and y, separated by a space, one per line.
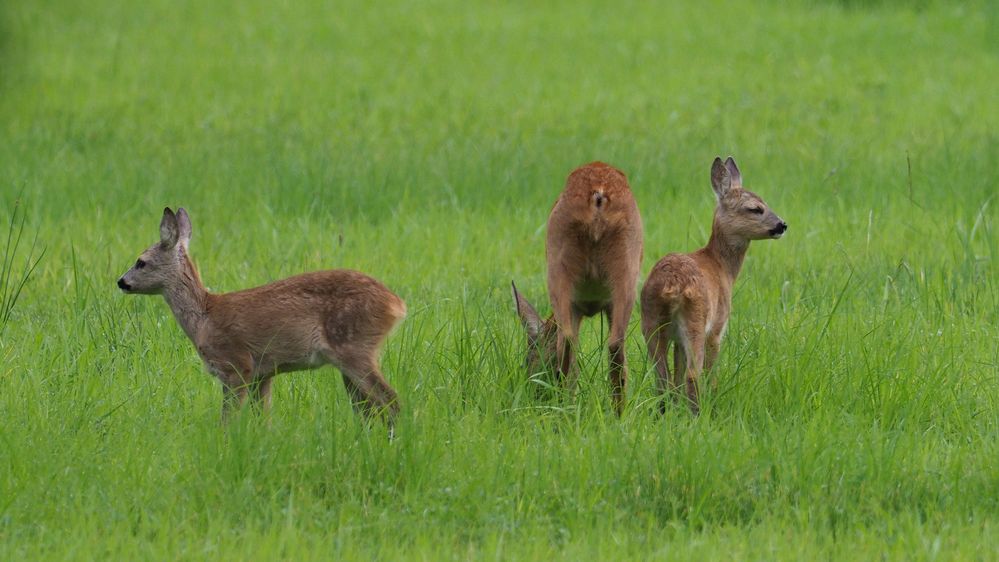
pixel 857 410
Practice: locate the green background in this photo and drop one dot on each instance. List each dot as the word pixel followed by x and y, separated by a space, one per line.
pixel 424 143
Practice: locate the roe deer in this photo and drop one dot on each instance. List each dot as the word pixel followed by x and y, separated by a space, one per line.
pixel 337 317
pixel 594 251
pixel 688 297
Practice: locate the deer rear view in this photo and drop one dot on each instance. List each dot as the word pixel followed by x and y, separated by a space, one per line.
pixel 245 338
pixel 687 298
pixel 594 251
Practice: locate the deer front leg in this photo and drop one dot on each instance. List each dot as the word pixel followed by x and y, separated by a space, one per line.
pixel 236 377
pixel 233 398
pixel 262 396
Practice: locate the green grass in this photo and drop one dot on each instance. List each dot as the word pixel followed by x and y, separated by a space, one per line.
pixel 857 414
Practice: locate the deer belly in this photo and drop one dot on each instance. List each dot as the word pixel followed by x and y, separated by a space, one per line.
pixel 590 297
pixel 279 364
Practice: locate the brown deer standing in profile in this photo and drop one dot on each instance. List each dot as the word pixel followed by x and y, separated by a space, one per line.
pixel 687 298
pixel 594 251
pixel 337 317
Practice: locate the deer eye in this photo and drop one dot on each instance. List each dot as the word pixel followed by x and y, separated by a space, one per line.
pixel 139 264
pixel 755 210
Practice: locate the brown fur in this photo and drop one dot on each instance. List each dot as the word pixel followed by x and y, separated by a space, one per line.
pixel 337 317
pixel 594 251
pixel 541 336
pixel 687 298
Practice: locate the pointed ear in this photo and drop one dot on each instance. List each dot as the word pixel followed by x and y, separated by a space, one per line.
pixel 733 172
pixel 721 181
pixel 168 229
pixel 183 227
pixel 528 316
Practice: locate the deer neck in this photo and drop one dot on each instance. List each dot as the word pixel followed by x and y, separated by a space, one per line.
pixel 728 250
pixel 188 298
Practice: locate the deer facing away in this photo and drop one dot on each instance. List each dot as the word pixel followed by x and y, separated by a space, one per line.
pixel 687 298
pixel 594 251
pixel 337 317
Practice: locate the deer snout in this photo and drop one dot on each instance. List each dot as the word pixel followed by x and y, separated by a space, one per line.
pixel 778 230
pixel 123 285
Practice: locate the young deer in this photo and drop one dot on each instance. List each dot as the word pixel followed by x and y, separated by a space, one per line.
pixel 594 251
pixel 337 317
pixel 688 297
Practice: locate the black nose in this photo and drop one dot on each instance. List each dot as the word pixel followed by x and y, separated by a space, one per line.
pixel 123 285
pixel 782 227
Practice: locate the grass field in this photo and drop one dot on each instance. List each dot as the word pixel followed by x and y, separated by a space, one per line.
pixel 857 414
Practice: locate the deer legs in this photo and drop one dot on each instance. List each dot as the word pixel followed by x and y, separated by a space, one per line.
pixel 370 394
pixel 567 318
pixel 618 314
pixel 658 342
pixel 692 355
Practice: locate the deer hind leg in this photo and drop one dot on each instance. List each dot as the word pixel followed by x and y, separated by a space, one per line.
pixel 566 343
pixel 357 398
pixel 693 359
pixel 658 341
pixel 619 314
pixel 679 368
pixel 711 346
pixel 567 318
pixel 370 393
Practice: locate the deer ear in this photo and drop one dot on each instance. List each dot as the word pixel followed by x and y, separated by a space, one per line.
pixel 721 180
pixel 528 316
pixel 183 226
pixel 168 229
pixel 733 171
